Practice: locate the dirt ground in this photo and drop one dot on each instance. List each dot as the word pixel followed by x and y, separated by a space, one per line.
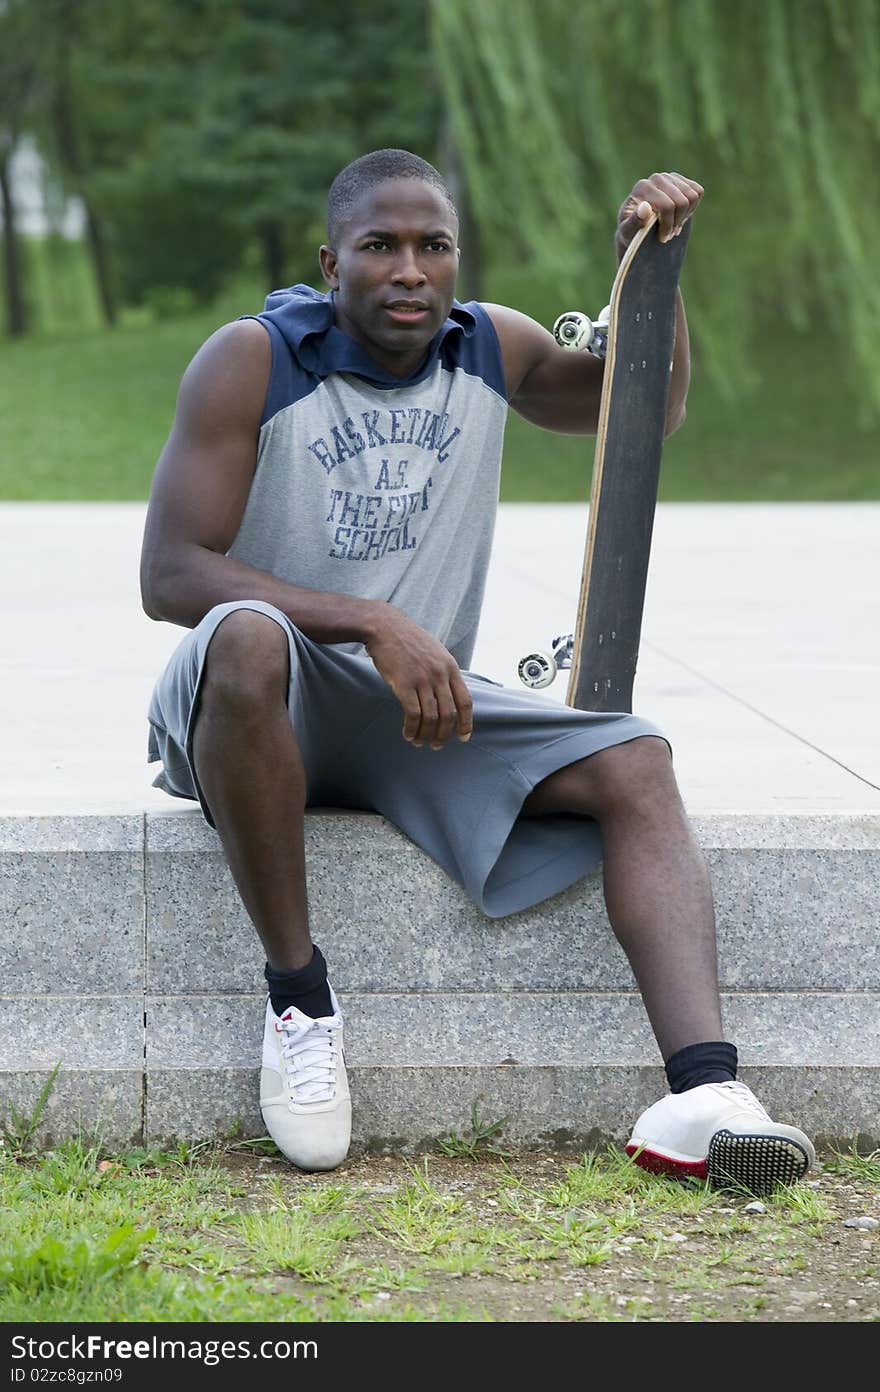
pixel 703 1258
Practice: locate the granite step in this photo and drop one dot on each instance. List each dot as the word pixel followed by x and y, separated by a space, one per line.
pixel 126 953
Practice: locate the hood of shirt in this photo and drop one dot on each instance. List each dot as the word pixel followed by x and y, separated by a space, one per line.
pixel 304 317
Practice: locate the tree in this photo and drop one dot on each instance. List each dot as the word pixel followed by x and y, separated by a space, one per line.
pixel 18 74
pixel 774 105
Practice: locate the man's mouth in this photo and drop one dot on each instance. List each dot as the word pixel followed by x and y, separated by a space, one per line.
pixel 407 311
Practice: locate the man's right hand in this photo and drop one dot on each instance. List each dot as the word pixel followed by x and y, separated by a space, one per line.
pixel 424 677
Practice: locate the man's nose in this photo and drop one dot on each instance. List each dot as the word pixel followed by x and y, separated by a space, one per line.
pixel 407 270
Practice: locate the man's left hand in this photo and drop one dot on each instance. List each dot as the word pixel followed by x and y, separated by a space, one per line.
pixel 671 196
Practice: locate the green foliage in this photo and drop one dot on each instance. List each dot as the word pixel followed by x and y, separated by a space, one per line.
pixel 206 127
pixel 20 1128
pixel 193 1234
pixel 57 1263
pixel 773 105
pixel 479 1144
pixel 84 418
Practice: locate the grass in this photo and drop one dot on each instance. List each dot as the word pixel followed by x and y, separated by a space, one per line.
pixel 479 1144
pixel 84 413
pixel 19 1128
pixel 851 1162
pixel 220 1233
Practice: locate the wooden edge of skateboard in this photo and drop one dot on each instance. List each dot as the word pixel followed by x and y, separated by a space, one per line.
pixel 599 456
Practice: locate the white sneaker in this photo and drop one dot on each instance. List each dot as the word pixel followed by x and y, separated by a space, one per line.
pixel 304 1093
pixel 719 1131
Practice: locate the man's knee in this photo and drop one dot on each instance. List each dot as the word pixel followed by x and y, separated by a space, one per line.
pixel 247 660
pixel 628 772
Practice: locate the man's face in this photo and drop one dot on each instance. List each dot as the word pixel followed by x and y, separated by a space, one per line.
pixel 393 270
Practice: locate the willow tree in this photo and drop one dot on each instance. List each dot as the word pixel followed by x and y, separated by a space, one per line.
pixel 558 106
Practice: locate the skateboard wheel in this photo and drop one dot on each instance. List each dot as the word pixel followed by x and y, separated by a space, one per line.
pixel 536 670
pixel 573 330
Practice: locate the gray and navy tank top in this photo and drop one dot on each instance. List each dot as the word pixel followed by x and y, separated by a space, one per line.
pixel 378 486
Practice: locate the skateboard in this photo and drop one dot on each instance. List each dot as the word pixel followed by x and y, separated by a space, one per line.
pixel 635 334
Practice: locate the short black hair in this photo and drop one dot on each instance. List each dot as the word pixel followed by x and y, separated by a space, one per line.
pixel 375 168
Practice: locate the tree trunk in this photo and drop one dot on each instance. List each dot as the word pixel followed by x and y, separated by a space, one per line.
pixel 73 162
pixel 16 308
pixel 101 262
pixel 272 240
pixel 472 248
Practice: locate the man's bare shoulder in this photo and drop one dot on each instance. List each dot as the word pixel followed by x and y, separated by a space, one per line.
pixel 524 343
pixel 229 374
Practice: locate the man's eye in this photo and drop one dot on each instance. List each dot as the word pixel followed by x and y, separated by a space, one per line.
pixel 439 246
pixel 372 245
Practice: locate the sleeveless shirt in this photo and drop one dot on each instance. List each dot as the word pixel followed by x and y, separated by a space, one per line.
pixel 377 486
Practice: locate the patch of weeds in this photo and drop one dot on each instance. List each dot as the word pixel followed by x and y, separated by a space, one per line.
pixel 184 1155
pixel 529 1248
pixel 572 1232
pixel 19 1129
pixel 793 1264
pixel 611 1176
pixel 479 1144
pixel 288 1242
pixel 753 1306
pixel 339 1308
pixel 368 1280
pixel 67 1263
pixel 800 1205
pixel 700 1313
pixel 746 1278
pixel 418 1218
pixel 857 1166
pixel 594 1179
pixel 465 1258
pixel 67 1172
pixel 593 1305
pixel 325 1198
pixel 252 1144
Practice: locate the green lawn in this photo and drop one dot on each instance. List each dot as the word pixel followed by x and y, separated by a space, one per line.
pixel 84 415
pixel 233 1233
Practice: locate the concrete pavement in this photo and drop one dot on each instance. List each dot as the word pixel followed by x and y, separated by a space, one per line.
pixel 760 650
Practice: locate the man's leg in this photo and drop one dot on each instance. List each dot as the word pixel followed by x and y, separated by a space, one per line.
pixel 659 902
pixel 656 883
pixel 249 765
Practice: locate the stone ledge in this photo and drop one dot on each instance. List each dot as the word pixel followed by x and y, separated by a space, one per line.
pixel 527 1029
pixel 406 1109
pixel 122 915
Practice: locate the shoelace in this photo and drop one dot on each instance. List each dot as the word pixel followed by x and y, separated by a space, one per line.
pixel 311 1052
pixel 746 1097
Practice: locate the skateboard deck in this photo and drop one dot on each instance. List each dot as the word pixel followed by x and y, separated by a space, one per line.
pixel 626 471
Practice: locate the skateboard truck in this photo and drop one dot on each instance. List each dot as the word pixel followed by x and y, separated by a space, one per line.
pixel 577 331
pixel 538 669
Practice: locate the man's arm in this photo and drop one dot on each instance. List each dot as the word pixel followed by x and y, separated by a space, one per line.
pixel 561 390
pixel 199 494
pixel 200 490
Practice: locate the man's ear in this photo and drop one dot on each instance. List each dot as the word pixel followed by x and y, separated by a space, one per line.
pixel 328 260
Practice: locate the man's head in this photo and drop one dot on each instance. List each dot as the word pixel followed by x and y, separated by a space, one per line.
pixel 393 254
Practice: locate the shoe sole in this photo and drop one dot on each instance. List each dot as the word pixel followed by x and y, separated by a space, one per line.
pixel 757 1163
pixel 657 1163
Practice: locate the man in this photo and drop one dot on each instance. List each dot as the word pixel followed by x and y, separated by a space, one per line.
pixel 321 519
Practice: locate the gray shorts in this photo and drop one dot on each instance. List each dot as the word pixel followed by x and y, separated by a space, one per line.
pixel 461 803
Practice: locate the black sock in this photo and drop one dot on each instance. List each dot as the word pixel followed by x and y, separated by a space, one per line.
pixel 714 1062
pixel 306 989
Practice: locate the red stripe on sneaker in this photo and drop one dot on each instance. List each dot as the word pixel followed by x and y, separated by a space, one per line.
pixel 661 1164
